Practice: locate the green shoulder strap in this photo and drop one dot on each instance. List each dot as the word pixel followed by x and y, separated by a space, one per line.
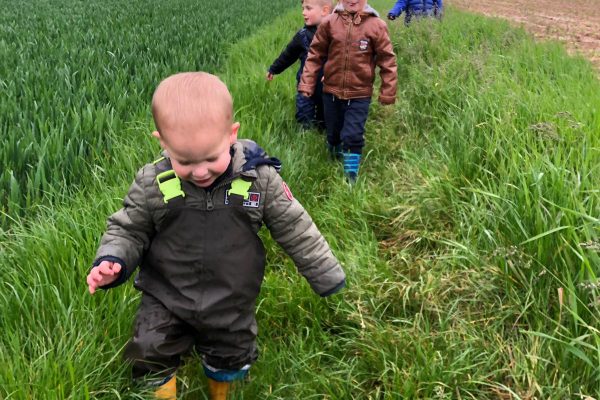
pixel 240 187
pixel 169 184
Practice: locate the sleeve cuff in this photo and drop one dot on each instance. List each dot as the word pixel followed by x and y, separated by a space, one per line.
pixel 305 88
pixel 122 274
pixel 336 289
pixel 387 100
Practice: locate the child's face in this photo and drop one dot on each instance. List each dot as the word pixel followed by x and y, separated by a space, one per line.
pixel 353 6
pixel 313 12
pixel 199 157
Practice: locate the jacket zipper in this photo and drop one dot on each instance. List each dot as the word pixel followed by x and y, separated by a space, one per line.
pixel 209 202
pixel 209 194
pixel 346 56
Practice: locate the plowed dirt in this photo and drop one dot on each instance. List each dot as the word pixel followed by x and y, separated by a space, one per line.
pixel 574 22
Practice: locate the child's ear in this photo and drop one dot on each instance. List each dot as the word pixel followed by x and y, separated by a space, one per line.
pixel 234 132
pixel 156 134
pixel 326 10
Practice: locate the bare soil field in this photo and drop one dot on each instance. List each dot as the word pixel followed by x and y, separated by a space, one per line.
pixel 574 22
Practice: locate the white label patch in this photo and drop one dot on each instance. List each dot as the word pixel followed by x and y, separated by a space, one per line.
pixel 363 44
pixel 253 199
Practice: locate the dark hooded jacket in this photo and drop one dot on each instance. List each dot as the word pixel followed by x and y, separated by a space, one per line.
pixel 297 49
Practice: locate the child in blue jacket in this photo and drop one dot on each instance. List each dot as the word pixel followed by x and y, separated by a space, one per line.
pixel 416 9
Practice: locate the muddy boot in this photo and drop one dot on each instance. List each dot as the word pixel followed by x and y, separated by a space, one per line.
pixel 218 390
pixel 168 390
pixel 351 164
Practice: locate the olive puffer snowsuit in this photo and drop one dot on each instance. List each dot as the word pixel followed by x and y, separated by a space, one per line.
pixel 202 262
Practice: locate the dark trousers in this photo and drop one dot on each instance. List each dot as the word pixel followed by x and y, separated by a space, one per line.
pixel 345 121
pixel 309 110
pixel 161 338
pixel 409 15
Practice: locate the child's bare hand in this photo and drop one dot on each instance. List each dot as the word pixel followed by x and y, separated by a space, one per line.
pixel 387 101
pixel 387 112
pixel 103 274
pixel 269 76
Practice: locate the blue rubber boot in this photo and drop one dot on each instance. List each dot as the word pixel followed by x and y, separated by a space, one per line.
pixel 351 164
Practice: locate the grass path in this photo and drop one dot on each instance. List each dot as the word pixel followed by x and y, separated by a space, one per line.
pixel 463 241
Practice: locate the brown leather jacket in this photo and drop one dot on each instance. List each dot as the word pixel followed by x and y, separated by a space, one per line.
pixel 351 45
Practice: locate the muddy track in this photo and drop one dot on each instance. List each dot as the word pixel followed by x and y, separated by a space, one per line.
pixel 574 22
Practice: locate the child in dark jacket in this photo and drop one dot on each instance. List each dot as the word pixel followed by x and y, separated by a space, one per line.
pixel 416 9
pixel 354 40
pixel 309 110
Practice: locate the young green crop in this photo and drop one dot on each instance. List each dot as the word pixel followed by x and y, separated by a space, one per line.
pixel 74 75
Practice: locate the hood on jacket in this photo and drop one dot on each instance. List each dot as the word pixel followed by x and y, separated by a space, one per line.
pixel 254 155
pixel 367 10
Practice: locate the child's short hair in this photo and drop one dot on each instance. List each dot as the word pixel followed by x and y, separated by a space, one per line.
pixel 192 95
pixel 321 3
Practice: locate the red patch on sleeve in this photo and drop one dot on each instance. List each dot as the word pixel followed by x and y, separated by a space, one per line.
pixel 287 191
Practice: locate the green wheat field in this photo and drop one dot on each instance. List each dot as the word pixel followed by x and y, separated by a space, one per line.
pixel 471 241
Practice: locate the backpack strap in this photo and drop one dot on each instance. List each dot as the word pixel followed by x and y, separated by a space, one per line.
pixel 240 187
pixel 238 192
pixel 168 182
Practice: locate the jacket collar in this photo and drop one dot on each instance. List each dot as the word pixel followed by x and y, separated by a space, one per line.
pixel 239 159
pixel 367 11
pixel 245 156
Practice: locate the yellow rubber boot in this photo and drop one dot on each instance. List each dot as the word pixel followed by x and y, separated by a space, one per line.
pixel 218 390
pixel 167 391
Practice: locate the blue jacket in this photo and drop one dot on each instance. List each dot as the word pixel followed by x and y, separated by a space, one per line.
pixel 416 7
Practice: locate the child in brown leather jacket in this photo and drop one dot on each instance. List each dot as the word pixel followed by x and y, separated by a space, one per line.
pixel 353 40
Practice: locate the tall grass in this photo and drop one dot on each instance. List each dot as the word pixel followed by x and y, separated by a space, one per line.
pixel 75 76
pixel 470 241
